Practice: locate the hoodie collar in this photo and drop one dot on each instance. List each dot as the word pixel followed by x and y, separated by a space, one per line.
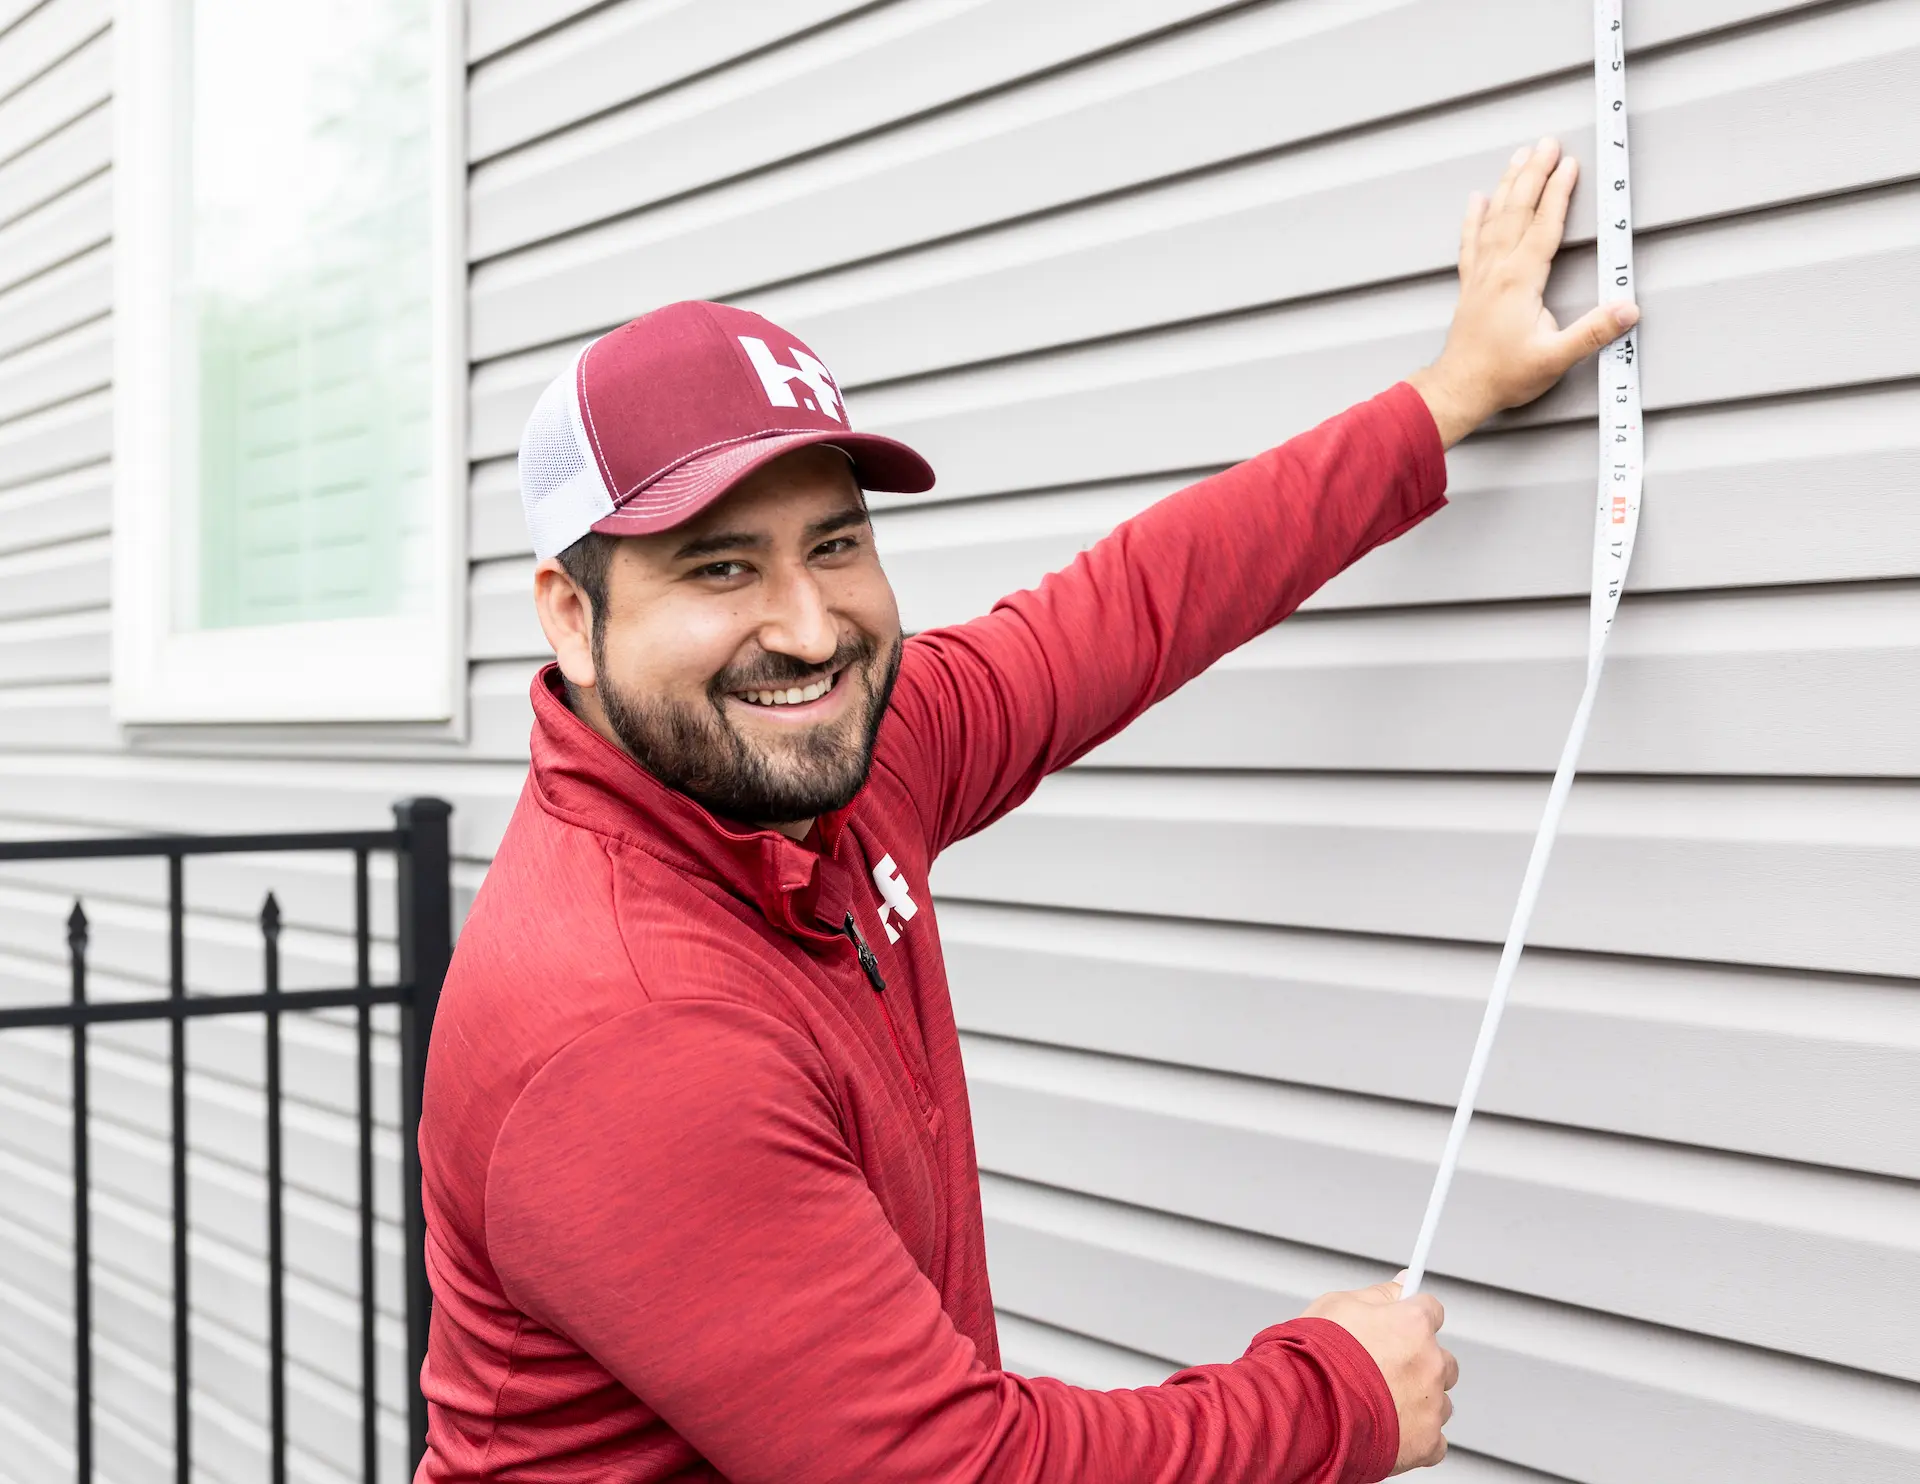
pixel 581 778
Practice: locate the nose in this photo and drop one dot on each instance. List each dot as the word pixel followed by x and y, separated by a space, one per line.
pixel 797 620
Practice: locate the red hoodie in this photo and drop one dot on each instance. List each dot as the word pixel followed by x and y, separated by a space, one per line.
pixel 701 1195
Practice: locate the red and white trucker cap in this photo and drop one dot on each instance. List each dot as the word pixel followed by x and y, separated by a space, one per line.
pixel 654 421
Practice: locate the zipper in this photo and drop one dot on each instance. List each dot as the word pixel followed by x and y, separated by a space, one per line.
pixel 867 960
pixel 871 965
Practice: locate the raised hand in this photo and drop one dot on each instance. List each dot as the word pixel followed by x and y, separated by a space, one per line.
pixel 1504 346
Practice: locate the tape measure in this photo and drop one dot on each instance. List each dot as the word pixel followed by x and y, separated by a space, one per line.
pixel 1616 518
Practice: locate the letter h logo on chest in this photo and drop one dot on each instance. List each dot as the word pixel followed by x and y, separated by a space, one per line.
pixel 895 900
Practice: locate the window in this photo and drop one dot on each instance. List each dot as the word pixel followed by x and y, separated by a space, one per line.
pixel 289 366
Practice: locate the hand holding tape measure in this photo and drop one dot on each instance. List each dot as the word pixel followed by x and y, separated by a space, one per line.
pixel 1616 518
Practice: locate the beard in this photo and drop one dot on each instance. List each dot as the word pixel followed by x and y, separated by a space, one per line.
pixel 696 749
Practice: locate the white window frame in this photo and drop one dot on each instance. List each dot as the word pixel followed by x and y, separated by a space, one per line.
pixel 403 668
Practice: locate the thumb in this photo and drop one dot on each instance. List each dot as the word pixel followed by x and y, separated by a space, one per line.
pixel 1379 1293
pixel 1593 331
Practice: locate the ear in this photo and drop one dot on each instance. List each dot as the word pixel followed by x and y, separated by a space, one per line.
pixel 566 618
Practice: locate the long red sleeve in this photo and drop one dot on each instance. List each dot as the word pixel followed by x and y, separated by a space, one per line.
pixel 999 703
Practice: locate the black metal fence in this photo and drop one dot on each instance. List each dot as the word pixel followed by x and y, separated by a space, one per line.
pixel 425 921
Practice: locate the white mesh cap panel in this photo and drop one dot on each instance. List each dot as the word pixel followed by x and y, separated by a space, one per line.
pixel 561 490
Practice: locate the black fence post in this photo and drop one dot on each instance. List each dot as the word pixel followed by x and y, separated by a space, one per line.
pixel 82 1218
pixel 426 946
pixel 182 1267
pixel 276 1206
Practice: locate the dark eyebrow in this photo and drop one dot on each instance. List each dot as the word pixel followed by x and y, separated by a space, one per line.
pixel 724 541
pixel 853 515
pixel 718 542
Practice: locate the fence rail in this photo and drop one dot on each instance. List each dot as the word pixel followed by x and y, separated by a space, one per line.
pixel 424 897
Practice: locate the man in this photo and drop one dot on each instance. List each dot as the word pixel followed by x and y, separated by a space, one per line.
pixel 701 1192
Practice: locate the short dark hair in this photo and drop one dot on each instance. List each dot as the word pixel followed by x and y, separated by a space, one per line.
pixel 586 562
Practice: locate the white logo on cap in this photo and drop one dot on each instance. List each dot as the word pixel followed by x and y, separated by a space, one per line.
pixel 779 379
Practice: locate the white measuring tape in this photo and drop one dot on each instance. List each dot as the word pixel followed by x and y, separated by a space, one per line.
pixel 1615 521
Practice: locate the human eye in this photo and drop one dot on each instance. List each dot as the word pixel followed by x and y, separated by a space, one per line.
pixel 719 571
pixel 837 546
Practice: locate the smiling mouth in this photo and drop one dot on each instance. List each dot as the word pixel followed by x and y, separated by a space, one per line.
pixel 790 695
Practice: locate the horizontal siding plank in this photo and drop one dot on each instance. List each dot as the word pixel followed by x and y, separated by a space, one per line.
pixel 1792 875
pixel 883 64
pixel 1804 682
pixel 64 508
pixel 46 35
pixel 63 228
pixel 952 562
pixel 1029 1348
pixel 50 651
pixel 495 25
pixel 1727 506
pixel 614 56
pixel 78 290
pixel 1778 113
pixel 496 524
pixel 69 436
pixel 1259 80
pixel 314 890
pixel 56 132
pixel 318 1071
pixel 1679 1408
pixel 73 716
pixel 501 394
pixel 128 945
pixel 500 711
pixel 136 792
pixel 501 622
pixel 1826 273
pixel 1815 1069
pixel 1672 1236
pixel 32 1452
pixel 55 579
pixel 57 369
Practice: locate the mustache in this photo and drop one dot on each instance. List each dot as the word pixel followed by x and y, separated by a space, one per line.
pixel 780 671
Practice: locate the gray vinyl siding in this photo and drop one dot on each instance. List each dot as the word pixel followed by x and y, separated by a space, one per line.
pixel 1217 983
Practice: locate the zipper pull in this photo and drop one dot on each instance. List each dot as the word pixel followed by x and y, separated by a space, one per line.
pixel 867 961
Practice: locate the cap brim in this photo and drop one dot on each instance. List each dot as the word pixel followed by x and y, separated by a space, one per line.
pixel 879 463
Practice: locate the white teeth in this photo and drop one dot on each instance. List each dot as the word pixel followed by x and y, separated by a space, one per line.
pixel 792 696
